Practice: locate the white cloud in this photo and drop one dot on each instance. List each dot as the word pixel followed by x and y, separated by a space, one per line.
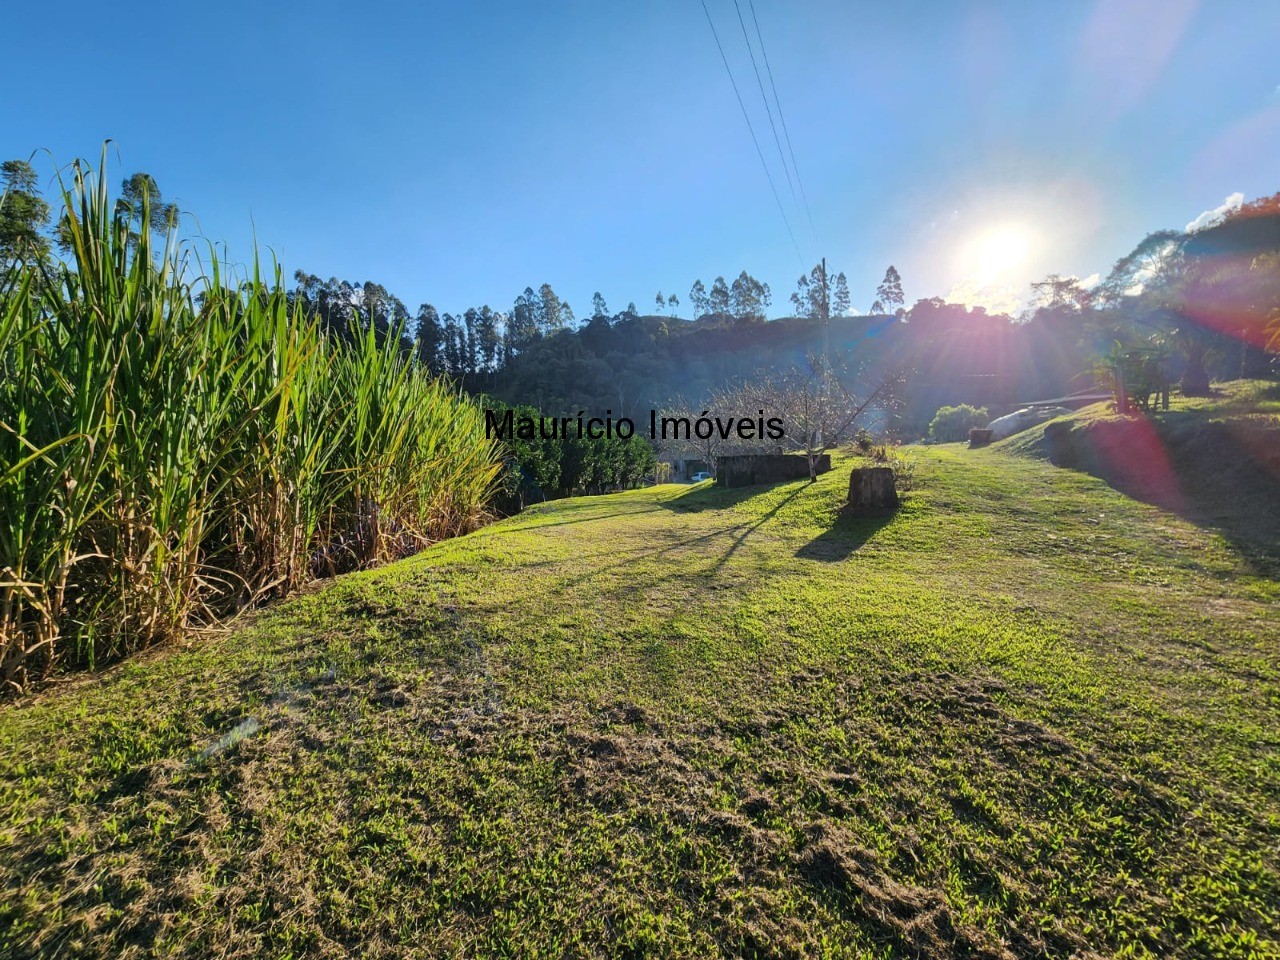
pixel 994 299
pixel 1211 217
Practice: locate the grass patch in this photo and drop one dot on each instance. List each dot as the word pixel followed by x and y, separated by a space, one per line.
pixel 1026 715
pixel 1214 460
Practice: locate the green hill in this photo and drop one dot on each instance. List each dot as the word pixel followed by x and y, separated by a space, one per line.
pixel 1028 715
pixel 1214 460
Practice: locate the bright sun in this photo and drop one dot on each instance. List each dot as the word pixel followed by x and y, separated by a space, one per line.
pixel 997 252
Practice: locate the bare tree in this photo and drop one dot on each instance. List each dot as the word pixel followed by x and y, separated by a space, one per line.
pixel 816 406
pixel 677 432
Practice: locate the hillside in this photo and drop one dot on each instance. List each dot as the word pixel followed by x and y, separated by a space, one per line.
pixel 1027 716
pixel 945 354
pixel 1214 460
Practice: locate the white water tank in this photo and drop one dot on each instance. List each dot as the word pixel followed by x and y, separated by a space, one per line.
pixel 1020 420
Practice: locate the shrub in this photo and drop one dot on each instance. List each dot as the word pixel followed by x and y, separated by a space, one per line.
pixel 904 472
pixel 891 457
pixel 951 424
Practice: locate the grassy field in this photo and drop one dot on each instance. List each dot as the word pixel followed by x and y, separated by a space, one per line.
pixel 1026 716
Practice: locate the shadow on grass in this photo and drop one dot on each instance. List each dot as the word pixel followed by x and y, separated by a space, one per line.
pixel 837 543
pixel 735 529
pixel 844 537
pixel 1223 475
pixel 751 528
pixel 530 521
pixel 715 497
pixel 694 499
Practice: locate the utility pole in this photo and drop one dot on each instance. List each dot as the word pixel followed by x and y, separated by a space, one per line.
pixel 826 316
pixel 826 362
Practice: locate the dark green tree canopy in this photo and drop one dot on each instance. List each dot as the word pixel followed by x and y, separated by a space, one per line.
pixel 719 300
pixel 748 298
pixel 140 197
pixel 814 294
pixel 699 300
pixel 24 214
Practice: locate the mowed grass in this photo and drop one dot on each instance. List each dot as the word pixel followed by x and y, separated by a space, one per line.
pixel 1027 715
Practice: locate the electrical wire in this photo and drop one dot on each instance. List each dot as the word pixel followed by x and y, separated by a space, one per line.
pixel 754 138
pixel 765 100
pixel 781 116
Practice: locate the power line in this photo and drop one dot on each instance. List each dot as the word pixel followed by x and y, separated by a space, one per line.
pixel 781 116
pixel 754 139
pixel 765 100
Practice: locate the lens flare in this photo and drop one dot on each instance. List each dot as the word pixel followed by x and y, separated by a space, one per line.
pixel 997 253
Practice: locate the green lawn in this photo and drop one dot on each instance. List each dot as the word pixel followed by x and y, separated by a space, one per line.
pixel 1028 715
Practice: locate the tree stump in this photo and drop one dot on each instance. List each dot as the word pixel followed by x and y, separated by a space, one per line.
pixel 871 492
pixel 979 437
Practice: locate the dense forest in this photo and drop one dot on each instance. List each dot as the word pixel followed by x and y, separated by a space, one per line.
pixel 1181 308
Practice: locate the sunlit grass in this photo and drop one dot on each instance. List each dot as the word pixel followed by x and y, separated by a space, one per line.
pixel 1026 713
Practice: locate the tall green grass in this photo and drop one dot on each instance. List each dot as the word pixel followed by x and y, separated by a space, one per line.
pixel 176 443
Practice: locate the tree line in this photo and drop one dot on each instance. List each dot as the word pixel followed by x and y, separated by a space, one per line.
pixel 545 467
pixel 1179 308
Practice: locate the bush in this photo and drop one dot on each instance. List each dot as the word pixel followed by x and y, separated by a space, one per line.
pixel 951 424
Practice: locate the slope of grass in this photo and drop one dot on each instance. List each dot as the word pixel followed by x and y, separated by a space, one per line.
pixel 1025 716
pixel 1214 460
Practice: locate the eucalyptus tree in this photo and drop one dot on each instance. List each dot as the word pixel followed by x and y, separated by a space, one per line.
pixel 24 214
pixel 889 293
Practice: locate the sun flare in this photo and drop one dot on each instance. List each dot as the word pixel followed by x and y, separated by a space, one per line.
pixel 998 252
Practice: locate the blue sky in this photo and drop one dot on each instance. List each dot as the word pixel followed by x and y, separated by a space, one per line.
pixel 457 152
